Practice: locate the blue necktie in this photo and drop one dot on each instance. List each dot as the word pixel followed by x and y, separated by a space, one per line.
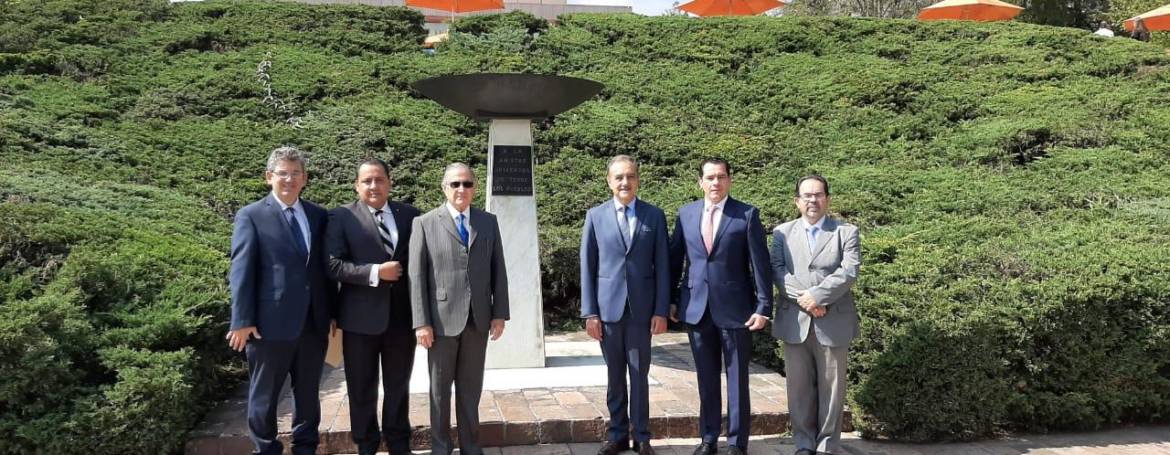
pixel 463 234
pixel 812 239
pixel 298 234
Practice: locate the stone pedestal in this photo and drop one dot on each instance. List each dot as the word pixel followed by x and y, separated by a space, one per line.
pixel 511 102
pixel 510 175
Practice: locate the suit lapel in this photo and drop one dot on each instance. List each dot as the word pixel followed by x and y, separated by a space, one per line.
pixel 277 214
pixel 314 220
pixel 448 223
pixel 829 229
pixel 367 220
pixel 639 215
pixel 402 224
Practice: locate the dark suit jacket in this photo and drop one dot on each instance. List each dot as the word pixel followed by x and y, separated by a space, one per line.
pixel 614 269
pixel 272 286
pixel 448 282
pixel 354 246
pixel 735 280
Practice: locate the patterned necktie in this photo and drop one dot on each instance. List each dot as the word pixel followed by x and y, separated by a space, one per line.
pixel 463 234
pixel 708 230
pixel 387 240
pixel 297 233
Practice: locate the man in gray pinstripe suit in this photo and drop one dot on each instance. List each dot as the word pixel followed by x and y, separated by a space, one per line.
pixel 459 296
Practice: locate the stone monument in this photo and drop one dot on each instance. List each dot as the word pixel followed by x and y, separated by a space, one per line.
pixel 511 102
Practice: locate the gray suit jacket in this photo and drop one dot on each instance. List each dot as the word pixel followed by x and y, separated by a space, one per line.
pixel 448 281
pixel 828 272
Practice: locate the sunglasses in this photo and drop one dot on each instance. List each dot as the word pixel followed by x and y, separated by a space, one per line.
pixel 465 184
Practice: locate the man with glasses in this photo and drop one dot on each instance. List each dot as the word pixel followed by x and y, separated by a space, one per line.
pixel 815 261
pixel 726 291
pixel 459 297
pixel 282 303
pixel 367 243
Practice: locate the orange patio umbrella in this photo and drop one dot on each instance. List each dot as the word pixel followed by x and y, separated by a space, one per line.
pixel 457 6
pixel 970 10
pixel 1158 19
pixel 730 7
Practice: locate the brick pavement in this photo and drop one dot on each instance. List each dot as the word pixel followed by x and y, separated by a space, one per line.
pixel 532 415
pixel 1140 440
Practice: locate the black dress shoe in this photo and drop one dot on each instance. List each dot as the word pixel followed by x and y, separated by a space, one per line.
pixel 735 450
pixel 643 448
pixel 705 448
pixel 805 452
pixel 614 447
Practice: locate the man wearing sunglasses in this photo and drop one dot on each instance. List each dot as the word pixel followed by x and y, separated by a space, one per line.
pixel 459 297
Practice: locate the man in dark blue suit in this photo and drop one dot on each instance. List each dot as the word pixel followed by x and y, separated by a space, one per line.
pixel 282 303
pixel 625 291
pixel 726 291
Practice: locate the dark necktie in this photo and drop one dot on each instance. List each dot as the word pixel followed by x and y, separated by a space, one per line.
pixel 387 241
pixel 297 233
pixel 463 234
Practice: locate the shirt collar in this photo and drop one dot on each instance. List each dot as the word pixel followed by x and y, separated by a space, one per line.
pixel 455 213
pixel 296 205
pixel 385 207
pixel 719 205
pixel 820 223
pixel 617 205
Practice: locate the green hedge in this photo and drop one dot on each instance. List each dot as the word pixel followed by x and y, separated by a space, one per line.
pixel 1010 181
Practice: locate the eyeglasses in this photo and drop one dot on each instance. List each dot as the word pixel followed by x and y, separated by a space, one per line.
pixel 464 183
pixel 812 196
pixel 286 175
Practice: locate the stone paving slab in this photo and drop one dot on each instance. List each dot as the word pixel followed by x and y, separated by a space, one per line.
pixel 533 412
pixel 1140 440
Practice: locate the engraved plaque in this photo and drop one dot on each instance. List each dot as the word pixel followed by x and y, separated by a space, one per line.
pixel 512 170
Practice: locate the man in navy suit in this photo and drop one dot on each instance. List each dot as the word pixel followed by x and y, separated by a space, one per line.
pixel 726 291
pixel 282 303
pixel 625 291
pixel 367 242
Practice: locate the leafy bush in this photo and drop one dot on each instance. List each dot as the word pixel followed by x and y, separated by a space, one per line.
pixel 1010 181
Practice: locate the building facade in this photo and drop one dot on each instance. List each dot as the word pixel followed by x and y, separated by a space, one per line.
pixel 436 20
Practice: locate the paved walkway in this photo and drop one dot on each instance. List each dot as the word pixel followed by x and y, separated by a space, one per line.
pixel 560 410
pixel 1146 440
pixel 562 403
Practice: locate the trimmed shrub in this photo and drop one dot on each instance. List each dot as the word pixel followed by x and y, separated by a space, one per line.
pixel 1009 180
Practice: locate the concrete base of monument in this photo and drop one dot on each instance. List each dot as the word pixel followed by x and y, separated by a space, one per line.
pixel 561 403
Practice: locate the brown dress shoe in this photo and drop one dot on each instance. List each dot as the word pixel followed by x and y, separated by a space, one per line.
pixel 643 448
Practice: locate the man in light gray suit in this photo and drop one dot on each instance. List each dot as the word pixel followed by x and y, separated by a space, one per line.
pixel 459 297
pixel 815 261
